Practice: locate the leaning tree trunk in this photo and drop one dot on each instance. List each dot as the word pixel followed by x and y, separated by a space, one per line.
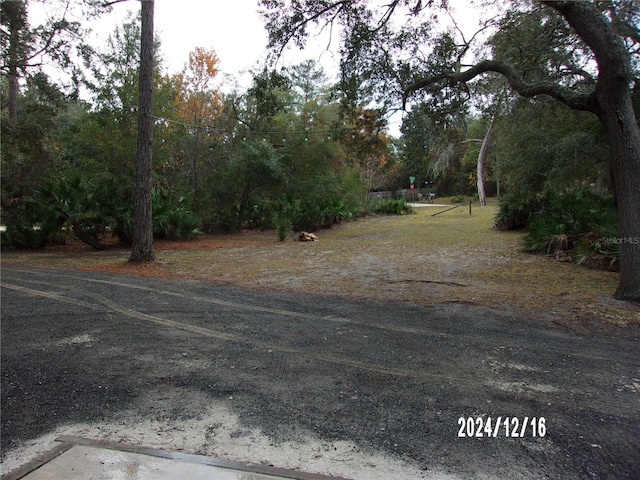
pixel 142 219
pixel 482 196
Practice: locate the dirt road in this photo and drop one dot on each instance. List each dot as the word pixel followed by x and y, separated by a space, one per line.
pixel 393 382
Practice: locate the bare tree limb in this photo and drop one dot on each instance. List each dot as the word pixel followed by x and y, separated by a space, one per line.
pixel 113 2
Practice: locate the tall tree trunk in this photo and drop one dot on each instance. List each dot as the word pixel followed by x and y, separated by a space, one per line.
pixel 482 196
pixel 13 95
pixel 15 12
pixel 142 218
pixel 618 119
pixel 614 108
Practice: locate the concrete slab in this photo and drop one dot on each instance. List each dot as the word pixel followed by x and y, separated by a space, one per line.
pixel 80 459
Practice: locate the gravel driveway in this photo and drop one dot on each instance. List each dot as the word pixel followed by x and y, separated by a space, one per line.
pixel 374 387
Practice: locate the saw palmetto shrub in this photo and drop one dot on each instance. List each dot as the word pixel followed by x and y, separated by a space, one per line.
pixel 393 206
pixel 516 210
pixel 575 224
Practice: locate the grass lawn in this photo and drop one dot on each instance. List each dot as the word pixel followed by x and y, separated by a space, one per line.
pixel 451 257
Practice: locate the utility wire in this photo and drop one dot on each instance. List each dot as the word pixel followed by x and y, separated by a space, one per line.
pixel 306 132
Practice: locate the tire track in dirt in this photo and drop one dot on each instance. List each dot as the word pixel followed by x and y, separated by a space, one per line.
pixel 457 368
pixel 244 306
pixel 208 332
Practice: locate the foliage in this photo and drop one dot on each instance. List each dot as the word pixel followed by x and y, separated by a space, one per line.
pixel 304 213
pixel 173 221
pixel 72 203
pixel 393 206
pixel 27 227
pixel 577 222
pixel 66 203
pixel 283 227
pixel 542 144
pixel 516 209
pixel 29 147
pixel 459 199
pixel 197 105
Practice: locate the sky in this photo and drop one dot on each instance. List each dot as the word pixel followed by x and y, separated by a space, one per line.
pixel 232 28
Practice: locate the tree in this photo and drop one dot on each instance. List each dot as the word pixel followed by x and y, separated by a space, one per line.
pixel 309 82
pixel 111 127
pixel 369 45
pixel 482 155
pixel 23 46
pixel 15 46
pixel 142 214
pixel 198 105
pixel 367 145
pixel 29 147
pixel 544 145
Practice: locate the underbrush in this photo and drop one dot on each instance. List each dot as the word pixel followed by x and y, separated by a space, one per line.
pixel 398 206
pixel 294 213
pixel 575 225
pixel 94 212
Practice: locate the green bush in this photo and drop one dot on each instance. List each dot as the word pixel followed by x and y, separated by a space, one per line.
pixel 307 213
pixel 576 222
pixel 94 214
pixel 74 203
pixel 31 231
pixel 516 210
pixel 173 221
pixel 283 227
pixel 597 251
pixel 397 206
pixel 460 199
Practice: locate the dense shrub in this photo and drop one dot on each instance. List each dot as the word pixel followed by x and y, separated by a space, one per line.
pixel 575 224
pixel 283 227
pixel 28 229
pixel 302 213
pixel 516 210
pixel 459 199
pixel 93 213
pixel 173 221
pixel 69 203
pixel 397 206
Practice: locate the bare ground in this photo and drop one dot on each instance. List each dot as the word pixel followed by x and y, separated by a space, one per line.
pixel 354 355
pixel 450 258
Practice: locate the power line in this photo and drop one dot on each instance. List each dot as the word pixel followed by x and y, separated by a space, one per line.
pixel 251 132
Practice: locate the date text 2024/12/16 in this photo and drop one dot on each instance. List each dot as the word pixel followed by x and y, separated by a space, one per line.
pixel 510 427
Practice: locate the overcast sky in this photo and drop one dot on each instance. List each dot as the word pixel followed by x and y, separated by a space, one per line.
pixel 232 28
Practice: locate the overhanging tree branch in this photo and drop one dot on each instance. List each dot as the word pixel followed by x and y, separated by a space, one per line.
pixel 575 100
pixel 289 32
